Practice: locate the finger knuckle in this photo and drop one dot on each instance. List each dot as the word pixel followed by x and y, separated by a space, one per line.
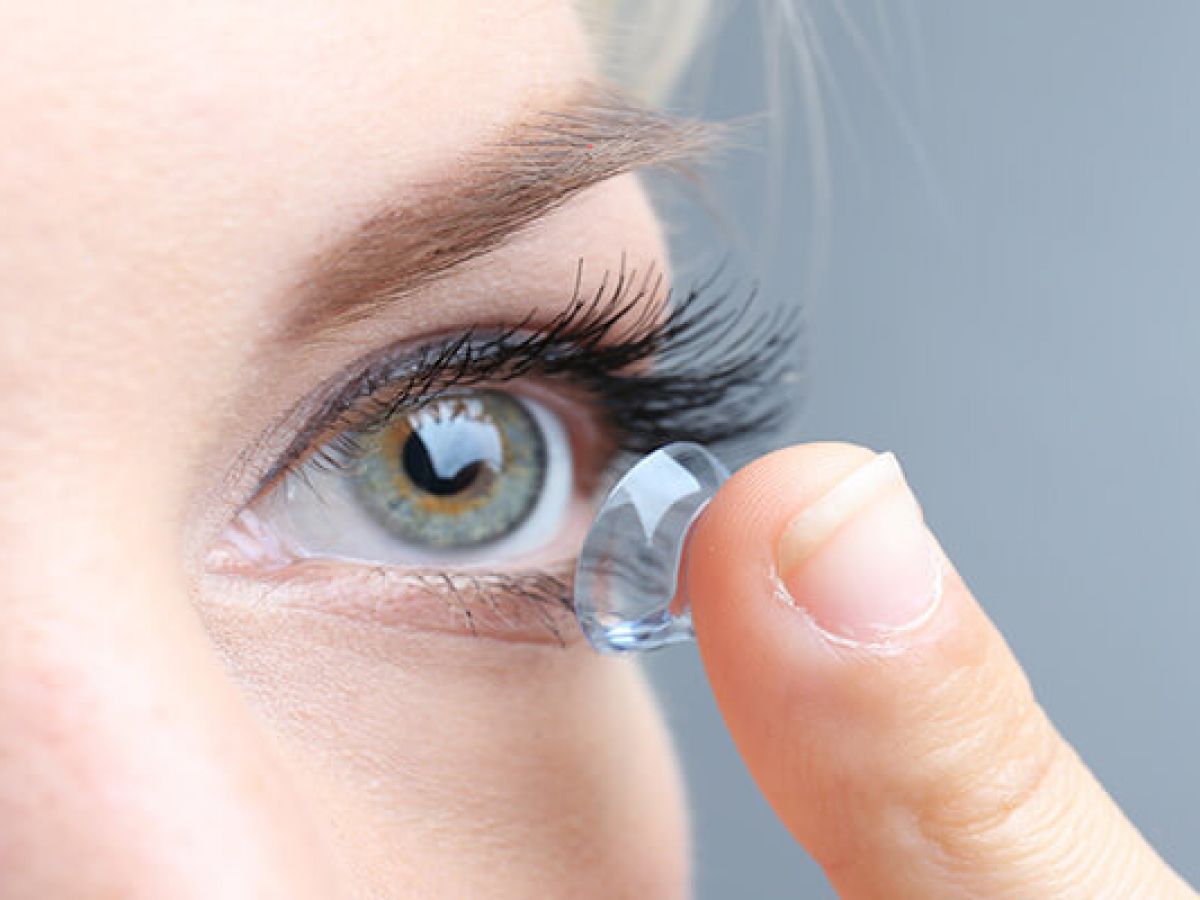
pixel 992 787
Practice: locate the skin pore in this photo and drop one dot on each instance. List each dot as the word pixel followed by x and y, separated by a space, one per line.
pixel 179 171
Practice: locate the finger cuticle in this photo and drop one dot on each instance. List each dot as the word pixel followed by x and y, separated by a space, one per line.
pixel 859 562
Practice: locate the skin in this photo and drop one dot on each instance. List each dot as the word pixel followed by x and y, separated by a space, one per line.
pixel 168 732
pixel 162 732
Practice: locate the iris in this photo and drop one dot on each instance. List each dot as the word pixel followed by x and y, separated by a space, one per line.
pixel 462 471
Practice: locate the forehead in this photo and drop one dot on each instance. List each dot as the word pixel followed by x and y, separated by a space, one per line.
pixel 322 68
pixel 176 160
pixel 141 120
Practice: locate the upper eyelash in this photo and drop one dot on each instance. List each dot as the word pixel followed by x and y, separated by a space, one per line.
pixel 715 363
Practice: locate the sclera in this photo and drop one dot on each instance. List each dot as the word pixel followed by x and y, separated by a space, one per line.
pixel 627 576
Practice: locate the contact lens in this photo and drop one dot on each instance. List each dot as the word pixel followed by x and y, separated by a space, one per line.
pixel 627 593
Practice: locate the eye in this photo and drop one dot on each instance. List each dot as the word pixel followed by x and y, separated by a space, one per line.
pixel 470 477
pixel 448 483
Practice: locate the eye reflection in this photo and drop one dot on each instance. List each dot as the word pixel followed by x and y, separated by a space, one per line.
pixel 460 472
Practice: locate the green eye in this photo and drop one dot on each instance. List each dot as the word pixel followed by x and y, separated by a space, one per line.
pixel 460 472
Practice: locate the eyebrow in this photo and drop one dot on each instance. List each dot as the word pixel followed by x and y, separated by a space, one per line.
pixel 534 166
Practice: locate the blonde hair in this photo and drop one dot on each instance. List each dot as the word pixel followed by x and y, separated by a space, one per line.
pixel 646 45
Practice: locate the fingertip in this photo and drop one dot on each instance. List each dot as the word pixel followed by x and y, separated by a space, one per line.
pixel 731 557
pixel 752 508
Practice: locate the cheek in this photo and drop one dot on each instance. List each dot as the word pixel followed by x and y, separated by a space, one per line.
pixel 460 766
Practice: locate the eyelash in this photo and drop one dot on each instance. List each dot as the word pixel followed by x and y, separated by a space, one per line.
pixel 707 367
pixel 655 370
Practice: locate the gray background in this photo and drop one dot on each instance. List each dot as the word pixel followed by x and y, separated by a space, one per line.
pixel 1016 317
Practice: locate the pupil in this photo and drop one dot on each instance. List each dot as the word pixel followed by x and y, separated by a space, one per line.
pixel 423 472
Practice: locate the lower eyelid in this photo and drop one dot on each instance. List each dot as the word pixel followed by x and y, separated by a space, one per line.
pixel 525 600
pixel 530 607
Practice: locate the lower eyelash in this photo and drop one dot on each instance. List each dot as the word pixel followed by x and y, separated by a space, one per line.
pixel 546 594
pixel 473 603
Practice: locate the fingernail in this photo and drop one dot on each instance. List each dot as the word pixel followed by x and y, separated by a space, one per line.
pixel 860 561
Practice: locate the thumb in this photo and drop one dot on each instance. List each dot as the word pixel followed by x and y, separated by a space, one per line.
pixel 877 707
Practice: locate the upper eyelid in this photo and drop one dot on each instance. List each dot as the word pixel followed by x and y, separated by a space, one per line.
pixel 320 412
pixel 344 423
pixel 721 360
pixel 624 296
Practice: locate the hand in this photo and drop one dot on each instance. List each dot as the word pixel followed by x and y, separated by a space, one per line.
pixel 879 709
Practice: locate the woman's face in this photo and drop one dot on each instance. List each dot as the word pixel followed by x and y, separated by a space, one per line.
pixel 213 213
